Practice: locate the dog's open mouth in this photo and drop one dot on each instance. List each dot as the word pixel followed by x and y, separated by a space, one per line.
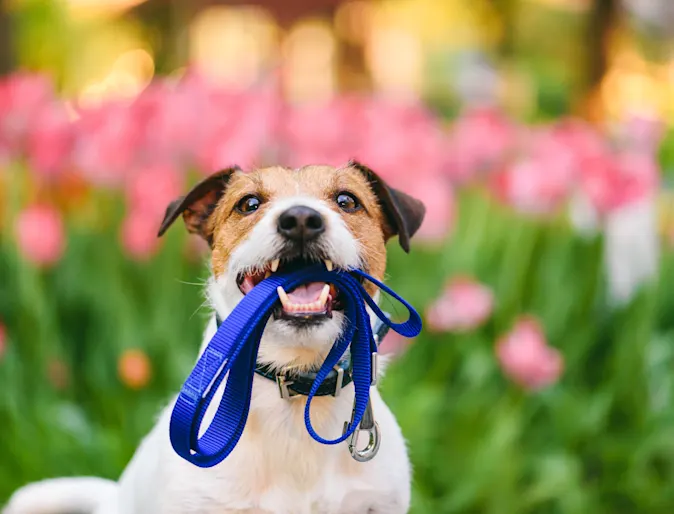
pixel 306 304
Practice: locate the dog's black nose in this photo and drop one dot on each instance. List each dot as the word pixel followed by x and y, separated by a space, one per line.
pixel 300 223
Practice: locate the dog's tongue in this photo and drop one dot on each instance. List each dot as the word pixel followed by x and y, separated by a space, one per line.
pixel 306 293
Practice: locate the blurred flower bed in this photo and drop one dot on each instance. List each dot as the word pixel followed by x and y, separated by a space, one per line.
pixel 543 382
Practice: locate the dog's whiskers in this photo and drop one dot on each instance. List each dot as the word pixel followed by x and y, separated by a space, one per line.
pixel 205 303
pixel 198 284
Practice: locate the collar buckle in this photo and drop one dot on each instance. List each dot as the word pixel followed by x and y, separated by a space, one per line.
pixel 283 386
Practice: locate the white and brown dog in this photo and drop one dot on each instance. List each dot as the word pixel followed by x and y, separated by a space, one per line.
pixel 255 223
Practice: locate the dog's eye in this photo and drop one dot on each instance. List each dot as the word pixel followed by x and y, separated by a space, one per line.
pixel 248 204
pixel 347 202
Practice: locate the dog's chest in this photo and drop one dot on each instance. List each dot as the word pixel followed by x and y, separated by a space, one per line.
pixel 280 477
pixel 278 468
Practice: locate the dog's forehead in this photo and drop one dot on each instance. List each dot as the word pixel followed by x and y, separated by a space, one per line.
pixel 314 180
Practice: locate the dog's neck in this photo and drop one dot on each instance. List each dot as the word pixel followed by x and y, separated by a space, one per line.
pixel 282 350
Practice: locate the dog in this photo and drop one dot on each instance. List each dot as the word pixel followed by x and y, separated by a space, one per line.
pixel 256 223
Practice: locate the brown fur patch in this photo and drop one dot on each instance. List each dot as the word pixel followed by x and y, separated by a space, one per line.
pixel 230 228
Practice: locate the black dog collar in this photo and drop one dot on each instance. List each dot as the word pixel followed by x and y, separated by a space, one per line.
pixel 293 383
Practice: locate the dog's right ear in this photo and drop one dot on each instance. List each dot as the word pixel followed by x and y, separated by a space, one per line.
pixel 197 205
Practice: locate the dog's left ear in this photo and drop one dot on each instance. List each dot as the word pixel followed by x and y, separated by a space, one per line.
pixel 404 214
pixel 197 205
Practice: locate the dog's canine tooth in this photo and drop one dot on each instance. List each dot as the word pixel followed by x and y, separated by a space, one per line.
pixel 267 274
pixel 328 264
pixel 285 301
pixel 274 265
pixel 324 295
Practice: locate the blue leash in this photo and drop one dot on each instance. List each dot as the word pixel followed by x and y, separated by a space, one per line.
pixel 234 348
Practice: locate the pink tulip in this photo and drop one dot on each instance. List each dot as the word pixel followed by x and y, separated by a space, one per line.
pixel 107 142
pixel 639 177
pixel 394 344
pixel 151 189
pixel 404 152
pixel 318 132
pixel 22 98
pixel 5 154
pixel 227 147
pixel 238 129
pixel 40 234
pixel 299 144
pixel 613 181
pixel 574 137
pixel 552 160
pixel 526 358
pixel 139 235
pixel 314 125
pixel 464 305
pixel 402 142
pixel 3 340
pixel 50 141
pixel 438 197
pixel 562 148
pixel 597 182
pixel 175 119
pixel 168 123
pixel 532 186
pixel 642 133
pixel 480 139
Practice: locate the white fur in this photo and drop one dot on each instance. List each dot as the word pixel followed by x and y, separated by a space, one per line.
pixel 276 466
pixel 63 495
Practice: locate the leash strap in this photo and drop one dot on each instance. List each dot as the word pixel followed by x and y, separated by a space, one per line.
pixel 232 353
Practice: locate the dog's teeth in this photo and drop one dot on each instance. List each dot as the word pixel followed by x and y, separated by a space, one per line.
pixel 284 297
pixel 324 295
pixel 274 265
pixel 267 274
pixel 328 264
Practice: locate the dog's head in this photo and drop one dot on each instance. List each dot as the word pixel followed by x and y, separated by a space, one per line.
pixel 275 218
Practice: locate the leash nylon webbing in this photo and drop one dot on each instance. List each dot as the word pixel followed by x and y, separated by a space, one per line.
pixel 233 351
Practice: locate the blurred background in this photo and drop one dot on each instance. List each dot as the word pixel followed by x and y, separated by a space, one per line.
pixel 538 132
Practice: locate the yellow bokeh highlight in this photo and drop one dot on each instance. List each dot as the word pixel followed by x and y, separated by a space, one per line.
pixel 568 5
pixel 232 45
pixel 130 74
pixel 309 61
pixel 451 24
pixel 402 74
pixel 99 8
pixel 633 84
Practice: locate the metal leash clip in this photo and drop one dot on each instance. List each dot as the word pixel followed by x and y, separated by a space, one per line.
pixel 369 425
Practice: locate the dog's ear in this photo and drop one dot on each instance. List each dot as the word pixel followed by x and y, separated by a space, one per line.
pixel 404 214
pixel 197 205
